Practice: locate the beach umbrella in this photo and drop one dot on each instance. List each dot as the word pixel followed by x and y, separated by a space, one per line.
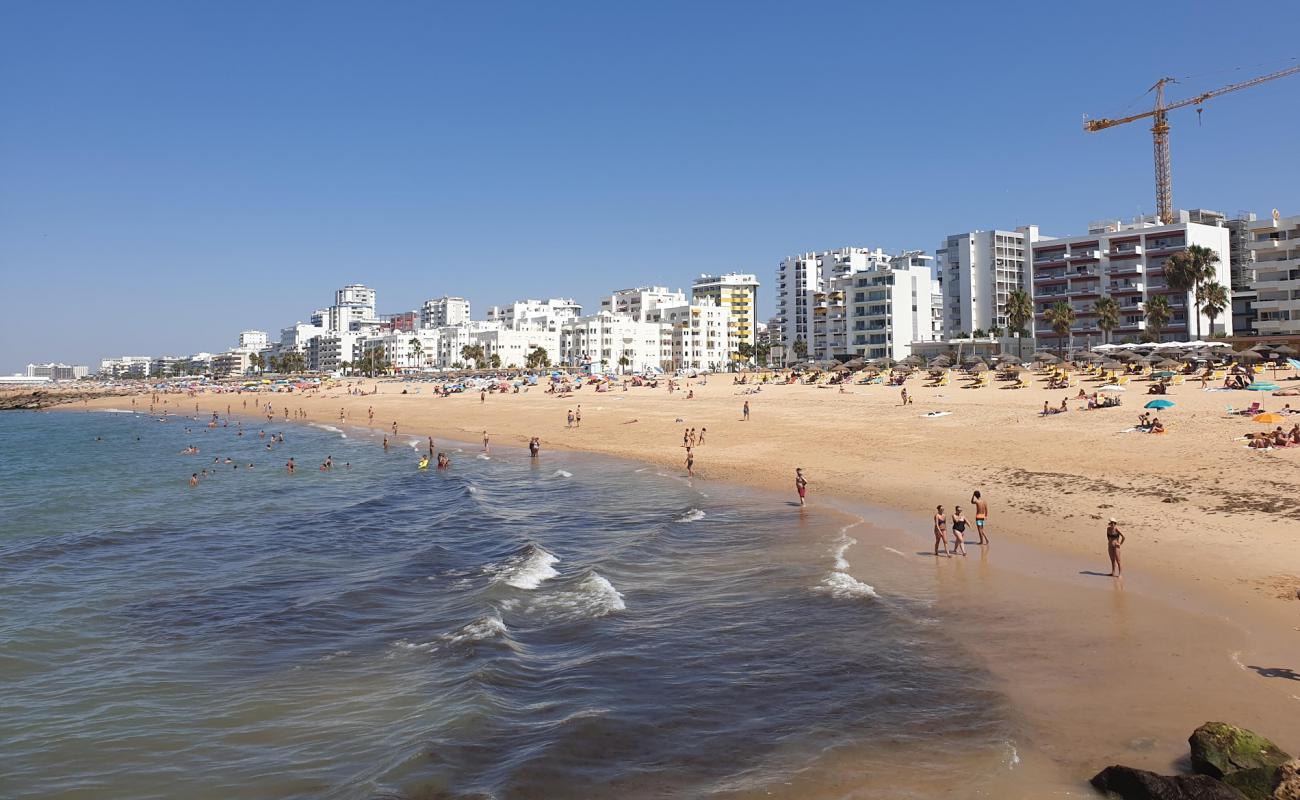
pixel 1286 350
pixel 1160 404
pixel 1046 358
pixel 903 368
pixel 1126 355
pixel 980 367
pixel 914 361
pixel 884 362
pixel 1262 386
pixel 1007 358
pixel 1269 417
pixel 1168 363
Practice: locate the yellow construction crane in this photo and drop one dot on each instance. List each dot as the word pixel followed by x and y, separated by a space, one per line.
pixel 1160 131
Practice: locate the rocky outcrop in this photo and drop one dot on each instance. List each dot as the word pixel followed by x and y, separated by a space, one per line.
pixel 1128 783
pixel 1286 781
pixel 36 399
pixel 1238 757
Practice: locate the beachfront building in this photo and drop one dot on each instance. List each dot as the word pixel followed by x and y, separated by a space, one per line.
pixel 1275 244
pixel 354 307
pixel 550 314
pixel 642 302
pixel 253 340
pixel 400 349
pixel 888 306
pixel 232 363
pixel 330 351
pixel 798 281
pixel 608 342
pixel 441 312
pixel 736 292
pixel 512 345
pixel 297 337
pixel 1124 261
pixel 979 270
pixel 402 321
pixel 125 367
pixel 701 336
pixel 57 372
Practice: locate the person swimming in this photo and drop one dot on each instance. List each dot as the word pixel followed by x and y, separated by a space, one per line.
pixel 424 462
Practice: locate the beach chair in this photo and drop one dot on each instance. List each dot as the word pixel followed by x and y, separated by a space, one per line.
pixel 1177 380
pixel 1122 380
pixel 1254 408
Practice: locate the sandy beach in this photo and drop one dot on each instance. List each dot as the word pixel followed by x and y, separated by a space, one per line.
pixel 1205 623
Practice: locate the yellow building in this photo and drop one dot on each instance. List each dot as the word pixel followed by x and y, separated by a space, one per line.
pixel 738 294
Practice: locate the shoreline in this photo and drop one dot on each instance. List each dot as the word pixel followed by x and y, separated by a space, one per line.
pixel 1172 611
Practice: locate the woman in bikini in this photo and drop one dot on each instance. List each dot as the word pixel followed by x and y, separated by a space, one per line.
pixel 1114 540
pixel 940 532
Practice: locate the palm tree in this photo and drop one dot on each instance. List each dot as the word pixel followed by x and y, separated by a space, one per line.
pixel 1158 314
pixel 495 361
pixel 537 358
pixel 1107 315
pixel 624 362
pixel 1061 317
pixel 1206 261
pixel 761 352
pixel 800 349
pixel 1020 310
pixel 1214 301
pixel 418 349
pixel 1188 272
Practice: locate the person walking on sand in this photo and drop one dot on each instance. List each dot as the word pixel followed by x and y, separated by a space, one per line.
pixel 569 424
pixel 690 462
pixel 940 532
pixel 482 395
pixel 1114 540
pixel 394 427
pixel 801 486
pixel 744 413
pixel 577 417
pixel 958 532
pixel 372 415
pixel 702 432
pixel 981 515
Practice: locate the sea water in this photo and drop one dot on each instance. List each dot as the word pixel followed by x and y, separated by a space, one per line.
pixel 570 626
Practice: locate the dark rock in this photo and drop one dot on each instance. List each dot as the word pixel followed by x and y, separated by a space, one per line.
pixel 1238 757
pixel 1286 781
pixel 1128 783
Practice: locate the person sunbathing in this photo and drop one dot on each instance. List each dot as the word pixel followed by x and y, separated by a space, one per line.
pixel 1295 434
pixel 1280 439
pixel 1258 441
pixel 1144 421
pixel 1157 426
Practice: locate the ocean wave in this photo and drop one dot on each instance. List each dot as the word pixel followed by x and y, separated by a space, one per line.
pixel 843 586
pixel 691 515
pixel 118 411
pixel 528 570
pixel 591 598
pixel 484 456
pixel 561 473
pixel 482 628
pixel 329 428
pixel 842 546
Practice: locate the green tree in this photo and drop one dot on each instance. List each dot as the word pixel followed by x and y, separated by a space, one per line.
pixel 978 333
pixel 473 354
pixel 800 349
pixel 1020 311
pixel 1107 315
pixel 1158 314
pixel 624 362
pixel 1189 272
pixel 995 332
pixel 537 359
pixel 1214 301
pixel 1061 317
pixel 255 362
pixel 495 361
pixel 344 366
pixel 744 351
pixel 418 350
pixel 761 352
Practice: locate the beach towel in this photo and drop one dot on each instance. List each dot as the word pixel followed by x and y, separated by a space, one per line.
pixel 937 414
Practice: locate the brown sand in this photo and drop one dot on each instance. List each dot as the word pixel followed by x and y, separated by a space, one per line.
pixel 1102 671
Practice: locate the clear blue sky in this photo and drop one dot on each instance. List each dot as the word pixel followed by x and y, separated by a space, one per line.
pixel 173 172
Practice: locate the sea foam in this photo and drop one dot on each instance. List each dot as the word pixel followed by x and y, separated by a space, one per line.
pixel 528 570
pixel 843 586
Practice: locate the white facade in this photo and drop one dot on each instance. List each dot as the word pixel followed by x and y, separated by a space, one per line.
pixel 979 270
pixel 441 312
pixel 604 340
pixel 398 348
pixel 1275 243
pixel 252 340
pixel 799 279
pixel 354 307
pixel 512 345
pixel 549 314
pixel 736 292
pixel 888 306
pixel 641 303
pixel 702 336
pixel 297 337
pixel 57 372
pixel 1124 261
pixel 231 363
pixel 329 351
pixel 125 367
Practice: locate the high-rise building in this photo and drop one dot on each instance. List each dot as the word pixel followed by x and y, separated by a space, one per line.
pixel 1275 243
pixel 354 307
pixel 736 292
pixel 979 270
pixel 550 314
pixel 887 306
pixel 252 340
pixel 1124 261
pixel 702 335
pixel 798 281
pixel 443 311
pixel 57 372
pixel 615 342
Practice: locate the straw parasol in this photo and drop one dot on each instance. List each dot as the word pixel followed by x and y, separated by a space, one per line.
pixel 1249 355
pixel 885 361
pixel 1045 357
pixel 1008 358
pixel 978 368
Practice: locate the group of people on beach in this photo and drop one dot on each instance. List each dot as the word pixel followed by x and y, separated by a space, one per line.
pixel 959 524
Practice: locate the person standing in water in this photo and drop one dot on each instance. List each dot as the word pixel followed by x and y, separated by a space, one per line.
pixel 981 515
pixel 486 445
pixel 958 532
pixel 289 467
pixel 940 532
pixel 534 447
pixel 801 486
pixel 690 462
pixel 1114 540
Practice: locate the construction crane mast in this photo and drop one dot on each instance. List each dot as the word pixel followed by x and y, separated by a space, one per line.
pixel 1160 130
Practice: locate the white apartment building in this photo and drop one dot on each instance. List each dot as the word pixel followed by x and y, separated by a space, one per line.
pixel 231 363
pixel 512 345
pixel 1124 261
pixel 354 306
pixel 329 351
pixel 297 337
pixel 736 292
pixel 252 340
pixel 602 342
pixel 550 314
pixel 799 279
pixel 125 367
pixel 57 372
pixel 888 306
pixel 641 303
pixel 398 348
pixel 1275 243
pixel 979 270
pixel 443 311
pixel 701 335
